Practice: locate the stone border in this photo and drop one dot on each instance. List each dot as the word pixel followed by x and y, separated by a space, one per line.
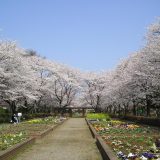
pixel 105 150
pixel 12 151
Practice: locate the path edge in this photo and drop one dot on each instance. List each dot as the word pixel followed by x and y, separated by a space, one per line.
pixel 105 150
pixel 15 149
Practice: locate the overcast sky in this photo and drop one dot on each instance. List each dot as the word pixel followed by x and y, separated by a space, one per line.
pixel 87 34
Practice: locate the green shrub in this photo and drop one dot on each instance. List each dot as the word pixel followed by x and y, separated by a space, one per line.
pixel 5 118
pixel 2 110
pixel 144 120
pixel 36 115
pixel 99 116
pixel 4 115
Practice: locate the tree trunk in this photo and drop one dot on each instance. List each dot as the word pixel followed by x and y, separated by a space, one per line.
pixel 97 109
pixel 114 111
pixel 13 107
pixel 125 111
pixel 119 110
pixel 148 111
pixel 158 112
pixel 148 105
pixel 134 108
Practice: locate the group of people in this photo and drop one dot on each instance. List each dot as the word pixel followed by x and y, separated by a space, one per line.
pixel 16 118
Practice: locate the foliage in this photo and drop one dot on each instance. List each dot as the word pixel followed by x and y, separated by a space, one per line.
pixel 5 117
pixel 36 115
pixel 99 116
pixel 144 120
pixel 47 120
pixel 7 140
pixel 3 110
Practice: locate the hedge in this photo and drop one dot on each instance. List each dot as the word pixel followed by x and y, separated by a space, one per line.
pixel 144 120
pixel 140 119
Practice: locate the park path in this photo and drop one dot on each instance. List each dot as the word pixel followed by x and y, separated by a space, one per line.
pixel 70 141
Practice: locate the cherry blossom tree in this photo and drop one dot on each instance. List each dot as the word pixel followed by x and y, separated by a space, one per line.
pixel 28 80
pixel 93 86
pixel 14 75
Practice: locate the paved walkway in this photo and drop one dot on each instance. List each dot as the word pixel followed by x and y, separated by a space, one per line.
pixel 70 141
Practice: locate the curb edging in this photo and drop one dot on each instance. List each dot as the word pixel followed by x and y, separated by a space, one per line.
pixel 11 152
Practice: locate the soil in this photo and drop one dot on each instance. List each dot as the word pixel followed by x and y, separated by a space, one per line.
pixel 70 141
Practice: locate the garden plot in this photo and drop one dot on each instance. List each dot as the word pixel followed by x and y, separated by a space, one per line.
pixel 16 133
pixel 130 141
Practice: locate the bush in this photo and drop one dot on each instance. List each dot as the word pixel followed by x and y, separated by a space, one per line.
pixel 3 110
pixel 5 117
pixel 36 115
pixel 99 116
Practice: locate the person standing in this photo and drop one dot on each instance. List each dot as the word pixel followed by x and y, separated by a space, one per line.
pixel 14 119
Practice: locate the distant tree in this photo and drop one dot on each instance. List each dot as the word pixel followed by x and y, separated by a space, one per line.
pixel 31 52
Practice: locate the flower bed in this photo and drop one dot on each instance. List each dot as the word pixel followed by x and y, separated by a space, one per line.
pixel 15 133
pixel 47 120
pixel 8 140
pixel 128 140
